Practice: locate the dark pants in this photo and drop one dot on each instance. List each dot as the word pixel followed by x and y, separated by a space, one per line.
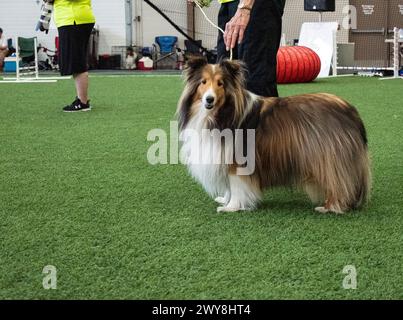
pixel 260 46
pixel 227 11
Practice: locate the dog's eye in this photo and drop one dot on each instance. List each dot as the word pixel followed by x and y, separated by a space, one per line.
pixel 204 81
pixel 220 83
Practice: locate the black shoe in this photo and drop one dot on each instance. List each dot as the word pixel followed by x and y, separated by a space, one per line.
pixel 77 105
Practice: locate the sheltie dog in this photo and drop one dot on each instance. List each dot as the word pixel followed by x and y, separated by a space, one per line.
pixel 314 142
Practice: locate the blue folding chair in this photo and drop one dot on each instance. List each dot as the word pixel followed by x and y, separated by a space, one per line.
pixel 166 52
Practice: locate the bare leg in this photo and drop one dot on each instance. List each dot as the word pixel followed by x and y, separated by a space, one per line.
pixel 3 54
pixel 82 82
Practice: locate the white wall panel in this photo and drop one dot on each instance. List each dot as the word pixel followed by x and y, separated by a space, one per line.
pixel 295 16
pixel 19 18
pixel 153 24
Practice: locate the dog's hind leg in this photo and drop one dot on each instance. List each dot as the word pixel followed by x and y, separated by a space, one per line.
pixel 317 196
pixel 331 205
pixel 314 192
pixel 245 194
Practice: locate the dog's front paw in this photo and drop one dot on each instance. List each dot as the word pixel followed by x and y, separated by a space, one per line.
pixel 321 209
pixel 228 209
pixel 221 200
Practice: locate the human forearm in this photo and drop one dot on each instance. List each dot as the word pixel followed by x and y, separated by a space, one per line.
pixel 248 3
pixel 245 6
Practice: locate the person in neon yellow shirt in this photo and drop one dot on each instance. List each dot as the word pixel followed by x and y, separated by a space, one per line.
pixel 75 21
pixel 68 12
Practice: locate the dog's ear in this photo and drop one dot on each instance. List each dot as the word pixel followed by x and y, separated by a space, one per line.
pixel 234 68
pixel 195 63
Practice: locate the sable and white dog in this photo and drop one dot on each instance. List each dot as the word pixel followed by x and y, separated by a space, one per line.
pixel 316 142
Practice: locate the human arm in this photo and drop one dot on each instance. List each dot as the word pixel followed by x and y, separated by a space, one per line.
pixel 3 43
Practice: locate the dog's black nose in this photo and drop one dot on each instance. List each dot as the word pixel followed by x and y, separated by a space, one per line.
pixel 210 99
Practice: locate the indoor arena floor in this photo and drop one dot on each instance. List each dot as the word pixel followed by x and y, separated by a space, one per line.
pixel 77 193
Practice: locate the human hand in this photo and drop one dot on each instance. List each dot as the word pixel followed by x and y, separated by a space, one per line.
pixel 235 29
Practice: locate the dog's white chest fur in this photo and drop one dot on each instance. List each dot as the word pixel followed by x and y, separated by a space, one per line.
pixel 203 155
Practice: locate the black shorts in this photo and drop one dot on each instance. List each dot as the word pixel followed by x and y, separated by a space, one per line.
pixel 73 48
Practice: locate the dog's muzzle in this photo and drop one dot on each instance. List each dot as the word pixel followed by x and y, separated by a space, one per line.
pixel 209 102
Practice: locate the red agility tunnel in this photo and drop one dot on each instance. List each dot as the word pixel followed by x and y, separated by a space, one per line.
pixel 297 64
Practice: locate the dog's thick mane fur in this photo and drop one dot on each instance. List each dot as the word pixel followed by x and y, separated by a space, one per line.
pixel 316 142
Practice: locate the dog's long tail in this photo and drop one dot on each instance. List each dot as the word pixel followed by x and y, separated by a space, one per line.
pixel 364 166
pixel 365 182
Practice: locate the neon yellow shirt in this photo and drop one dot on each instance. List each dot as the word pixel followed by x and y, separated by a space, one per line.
pixel 68 12
pixel 225 1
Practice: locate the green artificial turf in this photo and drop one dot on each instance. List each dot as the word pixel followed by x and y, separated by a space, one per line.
pixel 77 192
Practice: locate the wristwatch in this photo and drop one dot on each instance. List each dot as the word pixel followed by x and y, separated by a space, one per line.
pixel 244 6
